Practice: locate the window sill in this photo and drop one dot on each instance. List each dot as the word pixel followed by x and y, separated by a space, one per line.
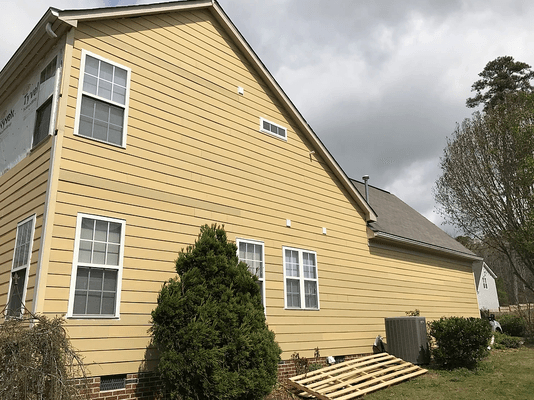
pixel 40 144
pixel 85 317
pixel 273 135
pixel 119 146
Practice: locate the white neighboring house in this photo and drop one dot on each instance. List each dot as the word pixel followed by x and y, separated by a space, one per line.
pixel 486 286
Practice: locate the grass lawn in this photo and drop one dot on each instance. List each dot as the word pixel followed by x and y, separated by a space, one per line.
pixel 505 374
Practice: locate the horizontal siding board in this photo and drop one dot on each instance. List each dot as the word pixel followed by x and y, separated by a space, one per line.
pixel 22 194
pixel 195 155
pixel 163 196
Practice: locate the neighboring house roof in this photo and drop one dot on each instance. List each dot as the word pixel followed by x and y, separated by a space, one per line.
pixel 39 42
pixel 400 224
pixel 477 269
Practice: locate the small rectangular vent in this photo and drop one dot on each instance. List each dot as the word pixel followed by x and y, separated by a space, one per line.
pixel 273 129
pixel 112 382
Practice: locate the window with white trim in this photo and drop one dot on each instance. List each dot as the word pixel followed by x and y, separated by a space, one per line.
pixel 45 102
pixel 301 282
pixel 251 252
pixel 22 255
pixel 273 129
pixel 42 122
pixel 103 97
pixel 97 268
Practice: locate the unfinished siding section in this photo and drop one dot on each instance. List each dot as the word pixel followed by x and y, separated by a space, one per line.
pixel 22 195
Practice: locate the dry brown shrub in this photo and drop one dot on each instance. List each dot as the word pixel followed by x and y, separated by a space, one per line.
pixel 37 361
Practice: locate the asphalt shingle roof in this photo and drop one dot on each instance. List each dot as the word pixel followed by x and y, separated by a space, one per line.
pixel 397 218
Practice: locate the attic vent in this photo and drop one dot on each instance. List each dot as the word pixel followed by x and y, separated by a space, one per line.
pixel 273 129
pixel 112 382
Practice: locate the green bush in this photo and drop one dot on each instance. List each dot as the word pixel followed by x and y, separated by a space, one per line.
pixel 460 342
pixel 315 367
pixel 513 325
pixel 503 341
pixel 210 328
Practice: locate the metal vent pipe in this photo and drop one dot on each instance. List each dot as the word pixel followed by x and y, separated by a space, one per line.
pixel 365 179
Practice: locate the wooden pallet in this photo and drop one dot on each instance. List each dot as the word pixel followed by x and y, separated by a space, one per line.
pixel 351 379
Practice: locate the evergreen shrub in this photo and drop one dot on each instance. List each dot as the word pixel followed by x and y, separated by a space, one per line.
pixel 460 342
pixel 513 325
pixel 209 326
pixel 503 341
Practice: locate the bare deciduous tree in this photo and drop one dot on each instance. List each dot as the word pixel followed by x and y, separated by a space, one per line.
pixel 486 187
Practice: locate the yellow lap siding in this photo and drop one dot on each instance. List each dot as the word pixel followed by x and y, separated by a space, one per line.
pixel 22 194
pixel 194 155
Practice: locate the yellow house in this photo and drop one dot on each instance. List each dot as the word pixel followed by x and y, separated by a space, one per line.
pixel 123 130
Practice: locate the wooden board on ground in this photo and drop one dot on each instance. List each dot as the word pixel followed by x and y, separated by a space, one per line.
pixel 354 378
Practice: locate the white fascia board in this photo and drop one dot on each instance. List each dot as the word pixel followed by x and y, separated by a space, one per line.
pixel 243 45
pixel 484 265
pixel 37 33
pixel 72 17
pixel 414 243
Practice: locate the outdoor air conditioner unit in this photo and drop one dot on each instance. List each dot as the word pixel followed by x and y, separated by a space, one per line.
pixel 406 338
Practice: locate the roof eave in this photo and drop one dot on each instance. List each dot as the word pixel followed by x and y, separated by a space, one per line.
pixel 20 60
pixel 387 237
pixel 319 147
pixel 493 275
pixel 72 17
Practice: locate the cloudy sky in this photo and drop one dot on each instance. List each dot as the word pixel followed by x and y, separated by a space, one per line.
pixel 382 83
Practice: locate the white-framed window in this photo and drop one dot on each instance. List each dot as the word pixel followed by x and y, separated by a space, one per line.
pixel 95 287
pixel 252 253
pixel 49 71
pixel 42 122
pixel 20 267
pixel 45 102
pixel 484 282
pixel 301 281
pixel 273 129
pixel 103 98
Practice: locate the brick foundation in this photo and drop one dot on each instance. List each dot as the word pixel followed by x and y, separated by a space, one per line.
pixel 144 386
pixel 147 386
pixel 286 370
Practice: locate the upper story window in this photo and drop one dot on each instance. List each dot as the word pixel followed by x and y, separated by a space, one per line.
pixel 46 96
pixel 97 270
pixel 484 282
pixel 20 267
pixel 49 71
pixel 273 129
pixel 103 97
pixel 42 122
pixel 251 252
pixel 301 281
